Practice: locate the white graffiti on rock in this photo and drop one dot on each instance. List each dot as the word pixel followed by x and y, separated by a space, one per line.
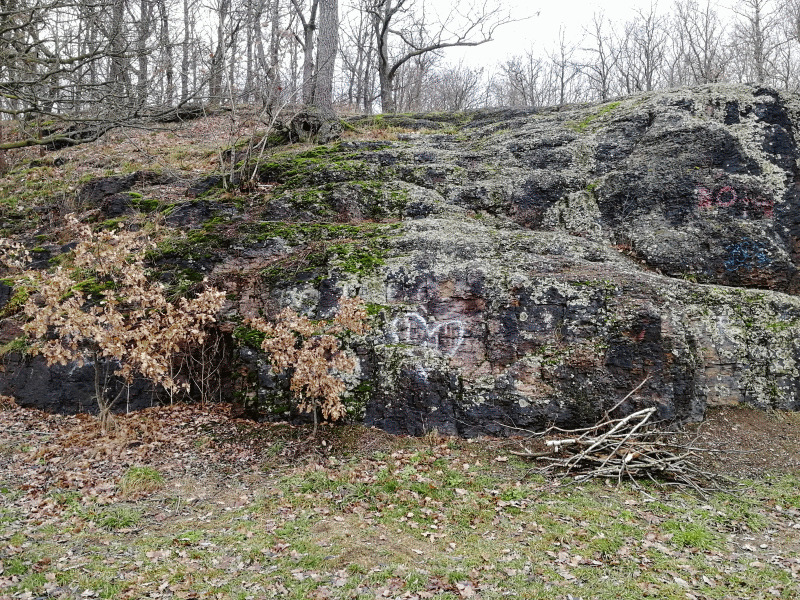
pixel 415 329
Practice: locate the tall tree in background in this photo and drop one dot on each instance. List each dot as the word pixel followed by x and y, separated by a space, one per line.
pixel 308 21
pixel 457 88
pixel 702 41
pixel 143 56
pixel 603 57
pixel 756 28
pixel 218 54
pixel 357 52
pixel 326 55
pixel 319 52
pixel 402 32
pixel 565 68
pixel 522 81
pixel 644 50
pixel 70 70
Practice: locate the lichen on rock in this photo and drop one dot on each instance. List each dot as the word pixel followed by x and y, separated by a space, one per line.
pixel 532 267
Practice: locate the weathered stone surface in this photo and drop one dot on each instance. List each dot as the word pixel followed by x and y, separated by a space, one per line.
pixel 548 262
pixel 531 267
pixel 315 125
pixel 67 389
pixel 110 193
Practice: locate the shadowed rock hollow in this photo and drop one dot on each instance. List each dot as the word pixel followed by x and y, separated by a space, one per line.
pixel 530 267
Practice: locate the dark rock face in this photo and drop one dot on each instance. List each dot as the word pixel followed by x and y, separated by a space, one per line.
pixel 67 389
pixel 533 267
pixel 549 262
pixel 109 193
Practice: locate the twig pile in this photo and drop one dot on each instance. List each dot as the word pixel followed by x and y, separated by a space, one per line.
pixel 627 447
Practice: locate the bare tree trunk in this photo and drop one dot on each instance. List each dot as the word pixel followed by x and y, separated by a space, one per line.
pixel 309 25
pixel 368 81
pixel 274 75
pixel 381 18
pixel 396 19
pixel 166 49
pixel 758 29
pixel 3 159
pixel 326 56
pixel 218 56
pixel 251 22
pixel 231 51
pixel 185 53
pixel 117 42
pixel 143 54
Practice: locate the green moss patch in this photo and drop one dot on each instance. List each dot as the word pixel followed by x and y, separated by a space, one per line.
pixel 581 126
pixel 17 300
pixel 145 205
pixel 358 249
pixel 325 164
pixel 301 233
pixel 248 336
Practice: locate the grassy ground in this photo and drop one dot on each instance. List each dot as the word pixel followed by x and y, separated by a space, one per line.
pixel 187 503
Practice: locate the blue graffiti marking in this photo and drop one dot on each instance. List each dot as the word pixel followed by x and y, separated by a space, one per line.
pixel 746 254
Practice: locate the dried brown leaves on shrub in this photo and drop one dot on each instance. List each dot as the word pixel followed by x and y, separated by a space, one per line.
pixel 131 329
pixel 313 353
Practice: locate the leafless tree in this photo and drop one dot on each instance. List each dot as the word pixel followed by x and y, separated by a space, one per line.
pixel 326 56
pixel 757 31
pixel 143 34
pixel 319 56
pixel 455 88
pixel 357 52
pixel 308 21
pixel 603 56
pixel 405 29
pixel 522 81
pixel 412 82
pixel 94 65
pixel 565 68
pixel 644 50
pixel 787 54
pixel 702 37
pixel 166 64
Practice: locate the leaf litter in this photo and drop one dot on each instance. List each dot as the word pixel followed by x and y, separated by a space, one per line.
pixel 261 510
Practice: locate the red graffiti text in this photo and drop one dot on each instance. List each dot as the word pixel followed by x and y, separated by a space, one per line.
pixel 727 196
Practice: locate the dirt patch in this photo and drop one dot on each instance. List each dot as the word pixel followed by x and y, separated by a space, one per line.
pixel 746 442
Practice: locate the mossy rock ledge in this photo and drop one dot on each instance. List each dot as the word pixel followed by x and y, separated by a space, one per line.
pixel 526 267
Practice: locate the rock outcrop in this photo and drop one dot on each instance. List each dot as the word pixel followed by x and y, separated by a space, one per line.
pixel 531 267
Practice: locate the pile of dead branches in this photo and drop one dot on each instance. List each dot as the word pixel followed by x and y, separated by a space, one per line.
pixel 629 447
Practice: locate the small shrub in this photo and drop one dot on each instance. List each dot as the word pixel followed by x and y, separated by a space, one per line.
pixel 123 323
pixel 7 403
pixel 311 352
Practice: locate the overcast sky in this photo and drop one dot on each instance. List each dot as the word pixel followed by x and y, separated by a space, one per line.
pixel 541 31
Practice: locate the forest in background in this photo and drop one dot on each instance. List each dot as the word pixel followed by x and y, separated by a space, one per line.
pixel 108 62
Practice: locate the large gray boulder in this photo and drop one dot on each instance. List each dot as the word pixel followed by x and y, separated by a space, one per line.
pixel 532 267
pixel 545 263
